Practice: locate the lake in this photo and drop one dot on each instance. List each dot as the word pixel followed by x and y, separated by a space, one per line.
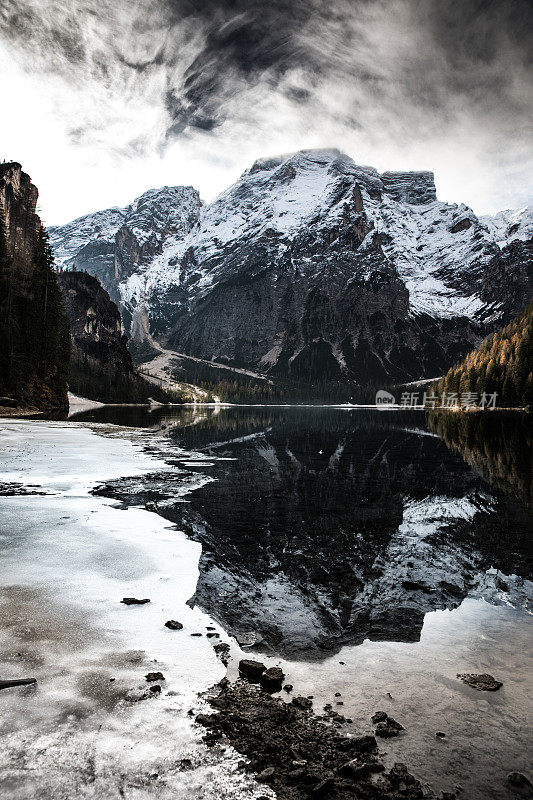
pixel 372 553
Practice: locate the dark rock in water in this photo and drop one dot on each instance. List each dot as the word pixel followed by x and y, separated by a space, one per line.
pixel 387 727
pixel 483 682
pixel 355 769
pixel 207 720
pixel 222 649
pixel 399 776
pixel 173 625
pixel 185 764
pixel 251 670
pixel 288 687
pixel 134 601
pixel 18 682
pixel 155 676
pixel 247 639
pixel 272 679
pixel 155 688
pixel 213 635
pixel 519 780
pixel 196 634
pixel 440 735
pixel 302 702
pixel 363 744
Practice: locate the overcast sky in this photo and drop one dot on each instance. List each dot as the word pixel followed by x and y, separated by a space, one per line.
pixel 101 101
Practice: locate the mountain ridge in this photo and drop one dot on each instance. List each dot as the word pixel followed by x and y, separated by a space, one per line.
pixel 368 276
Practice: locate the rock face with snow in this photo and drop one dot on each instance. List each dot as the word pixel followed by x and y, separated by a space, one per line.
pixel 310 266
pixel 116 244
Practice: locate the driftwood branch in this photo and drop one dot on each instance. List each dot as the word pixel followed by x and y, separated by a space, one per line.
pixel 17 682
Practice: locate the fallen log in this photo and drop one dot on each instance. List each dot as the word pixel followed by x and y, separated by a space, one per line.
pixel 17 682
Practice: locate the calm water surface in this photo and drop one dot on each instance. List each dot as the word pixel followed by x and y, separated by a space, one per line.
pixel 322 527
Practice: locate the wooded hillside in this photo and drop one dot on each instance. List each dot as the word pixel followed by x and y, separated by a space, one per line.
pixel 503 364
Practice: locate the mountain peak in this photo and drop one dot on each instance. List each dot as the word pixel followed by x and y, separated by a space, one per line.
pixel 175 194
pixel 318 156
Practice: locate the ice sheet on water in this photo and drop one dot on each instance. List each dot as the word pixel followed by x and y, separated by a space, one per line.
pixel 66 561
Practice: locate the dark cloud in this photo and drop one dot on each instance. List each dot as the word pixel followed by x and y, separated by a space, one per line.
pixel 361 62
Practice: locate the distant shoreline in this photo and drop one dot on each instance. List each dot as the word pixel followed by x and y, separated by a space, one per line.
pixel 81 408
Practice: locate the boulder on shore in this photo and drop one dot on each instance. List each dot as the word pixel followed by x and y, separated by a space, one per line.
pixel 272 679
pixel 154 676
pixel 251 670
pixel 386 726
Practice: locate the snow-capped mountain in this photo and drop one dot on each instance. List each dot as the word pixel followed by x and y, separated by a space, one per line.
pixel 311 266
pixel 510 224
pixel 113 244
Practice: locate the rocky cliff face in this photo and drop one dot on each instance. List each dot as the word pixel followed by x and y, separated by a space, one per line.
pixel 310 266
pixel 34 342
pixel 18 203
pixel 119 243
pixel 101 367
pixel 95 323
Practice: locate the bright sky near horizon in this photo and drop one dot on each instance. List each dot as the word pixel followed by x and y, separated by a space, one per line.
pixel 101 107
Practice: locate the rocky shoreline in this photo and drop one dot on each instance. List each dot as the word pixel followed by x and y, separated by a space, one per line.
pixel 299 754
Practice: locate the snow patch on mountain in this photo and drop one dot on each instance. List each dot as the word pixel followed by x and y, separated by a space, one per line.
pixel 505 226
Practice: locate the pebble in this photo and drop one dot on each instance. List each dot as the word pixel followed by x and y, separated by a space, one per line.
pixel 173 625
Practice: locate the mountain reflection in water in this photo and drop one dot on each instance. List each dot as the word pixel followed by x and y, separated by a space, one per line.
pixel 321 527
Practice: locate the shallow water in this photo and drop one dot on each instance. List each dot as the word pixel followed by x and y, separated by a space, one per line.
pixel 67 559
pixel 398 545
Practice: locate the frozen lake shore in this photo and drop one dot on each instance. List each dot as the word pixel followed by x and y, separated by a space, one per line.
pixel 69 557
